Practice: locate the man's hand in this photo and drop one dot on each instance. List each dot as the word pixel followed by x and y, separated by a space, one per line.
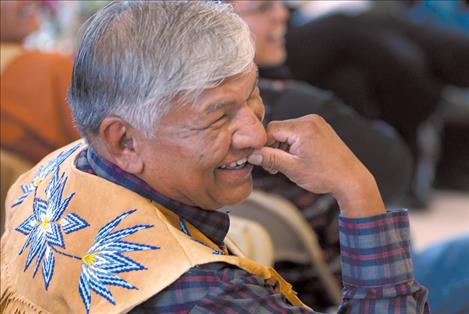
pixel 311 154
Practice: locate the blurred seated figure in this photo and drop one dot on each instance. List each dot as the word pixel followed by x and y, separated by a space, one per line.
pixel 377 145
pixel 389 68
pixel 35 116
pixel 392 56
pixel 374 142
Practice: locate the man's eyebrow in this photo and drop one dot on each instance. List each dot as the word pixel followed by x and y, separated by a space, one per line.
pixel 222 105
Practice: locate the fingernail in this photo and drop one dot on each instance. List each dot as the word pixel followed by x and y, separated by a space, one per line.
pixel 255 159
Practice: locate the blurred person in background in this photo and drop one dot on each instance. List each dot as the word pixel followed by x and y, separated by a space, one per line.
pixel 35 116
pixel 387 66
pixel 376 144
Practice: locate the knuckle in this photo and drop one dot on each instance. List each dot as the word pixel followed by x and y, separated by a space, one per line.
pixel 272 125
pixel 271 163
pixel 315 123
pixel 317 119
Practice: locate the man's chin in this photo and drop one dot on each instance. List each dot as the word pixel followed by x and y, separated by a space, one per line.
pixel 236 195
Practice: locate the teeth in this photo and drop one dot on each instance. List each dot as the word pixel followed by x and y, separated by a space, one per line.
pixel 242 161
pixel 236 164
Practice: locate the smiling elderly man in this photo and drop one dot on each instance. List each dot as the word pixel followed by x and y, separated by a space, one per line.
pixel 166 96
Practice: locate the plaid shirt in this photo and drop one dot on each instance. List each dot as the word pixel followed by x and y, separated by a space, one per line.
pixel 377 270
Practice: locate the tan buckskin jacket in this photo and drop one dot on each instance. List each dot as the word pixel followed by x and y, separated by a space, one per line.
pixel 76 243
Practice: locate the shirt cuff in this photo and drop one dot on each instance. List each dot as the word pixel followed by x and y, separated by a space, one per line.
pixel 375 252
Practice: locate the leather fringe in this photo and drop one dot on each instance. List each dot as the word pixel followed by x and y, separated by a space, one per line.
pixel 10 303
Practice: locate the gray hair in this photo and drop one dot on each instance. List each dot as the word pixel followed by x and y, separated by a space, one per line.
pixel 135 57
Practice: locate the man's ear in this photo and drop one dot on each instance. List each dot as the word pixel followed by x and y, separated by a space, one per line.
pixel 123 143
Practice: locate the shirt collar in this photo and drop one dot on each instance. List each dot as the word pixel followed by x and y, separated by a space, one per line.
pixel 214 224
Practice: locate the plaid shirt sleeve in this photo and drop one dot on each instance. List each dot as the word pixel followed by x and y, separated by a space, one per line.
pixel 377 274
pixel 377 267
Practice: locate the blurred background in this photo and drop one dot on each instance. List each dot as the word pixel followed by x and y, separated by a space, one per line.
pixel 404 62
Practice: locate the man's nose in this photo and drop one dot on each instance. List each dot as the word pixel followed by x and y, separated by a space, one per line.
pixel 249 133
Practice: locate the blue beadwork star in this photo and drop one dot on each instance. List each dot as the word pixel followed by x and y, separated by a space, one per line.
pixel 105 259
pixel 42 173
pixel 44 227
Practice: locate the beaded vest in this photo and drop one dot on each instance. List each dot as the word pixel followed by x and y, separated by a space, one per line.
pixel 76 243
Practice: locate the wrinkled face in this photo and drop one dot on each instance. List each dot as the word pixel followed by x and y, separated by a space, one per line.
pixel 198 156
pixel 267 21
pixel 18 19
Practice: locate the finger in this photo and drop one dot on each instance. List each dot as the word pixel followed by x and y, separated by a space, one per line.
pixel 271 159
pixel 281 131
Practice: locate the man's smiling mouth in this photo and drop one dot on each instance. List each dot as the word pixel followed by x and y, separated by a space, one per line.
pixel 235 165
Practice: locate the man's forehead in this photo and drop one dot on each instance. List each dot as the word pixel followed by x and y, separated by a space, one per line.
pixel 216 98
pixel 253 70
pixel 251 78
